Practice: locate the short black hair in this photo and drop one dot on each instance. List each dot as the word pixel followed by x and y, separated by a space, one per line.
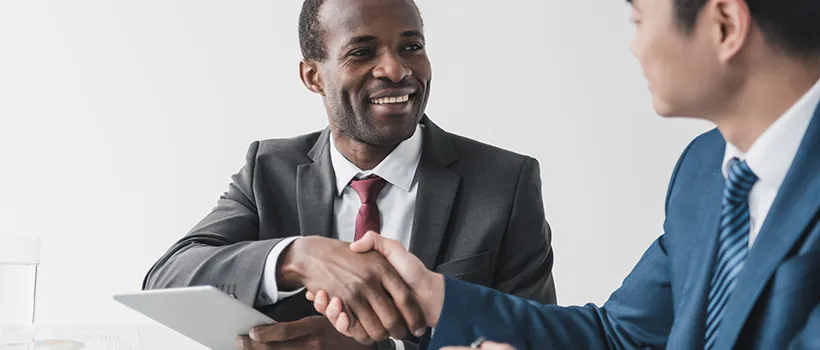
pixel 310 30
pixel 791 25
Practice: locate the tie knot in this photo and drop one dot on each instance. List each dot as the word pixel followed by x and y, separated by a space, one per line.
pixel 368 189
pixel 740 179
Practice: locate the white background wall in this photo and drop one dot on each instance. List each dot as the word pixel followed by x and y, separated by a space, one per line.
pixel 122 121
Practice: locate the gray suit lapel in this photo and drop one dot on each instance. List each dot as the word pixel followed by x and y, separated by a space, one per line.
pixel 437 190
pixel 315 190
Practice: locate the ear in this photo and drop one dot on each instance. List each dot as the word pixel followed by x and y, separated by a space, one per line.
pixel 311 77
pixel 733 23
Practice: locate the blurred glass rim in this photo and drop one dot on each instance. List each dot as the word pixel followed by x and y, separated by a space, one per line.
pixel 17 250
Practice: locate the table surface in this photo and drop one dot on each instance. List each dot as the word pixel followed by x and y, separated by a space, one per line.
pixel 107 337
pixel 161 337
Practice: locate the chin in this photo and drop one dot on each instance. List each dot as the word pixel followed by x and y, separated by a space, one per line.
pixel 662 108
pixel 393 134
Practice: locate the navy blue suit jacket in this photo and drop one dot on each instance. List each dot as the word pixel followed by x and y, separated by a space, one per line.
pixel 662 303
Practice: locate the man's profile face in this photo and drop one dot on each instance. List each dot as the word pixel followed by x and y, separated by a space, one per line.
pixel 682 69
pixel 376 76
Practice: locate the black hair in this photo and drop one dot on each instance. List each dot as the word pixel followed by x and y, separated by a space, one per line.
pixel 791 25
pixel 310 30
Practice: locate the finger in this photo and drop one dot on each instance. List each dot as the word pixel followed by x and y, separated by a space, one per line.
pixel 358 333
pixel 386 246
pixel 320 303
pixel 246 343
pixel 310 296
pixel 282 331
pixel 364 244
pixel 377 242
pixel 408 307
pixel 362 310
pixel 334 309
pixel 389 315
pixel 341 321
pixel 243 342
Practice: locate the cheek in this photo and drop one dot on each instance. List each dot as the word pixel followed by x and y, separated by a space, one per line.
pixel 421 68
pixel 663 61
pixel 646 47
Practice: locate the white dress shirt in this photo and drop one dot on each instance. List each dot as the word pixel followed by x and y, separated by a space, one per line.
pixel 771 155
pixel 396 202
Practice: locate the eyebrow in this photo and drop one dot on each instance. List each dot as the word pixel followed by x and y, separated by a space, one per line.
pixel 368 38
pixel 412 34
pixel 360 39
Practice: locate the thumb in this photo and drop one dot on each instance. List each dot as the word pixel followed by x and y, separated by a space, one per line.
pixel 377 242
pixel 366 243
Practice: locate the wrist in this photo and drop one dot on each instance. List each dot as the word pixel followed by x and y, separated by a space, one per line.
pixel 431 297
pixel 289 269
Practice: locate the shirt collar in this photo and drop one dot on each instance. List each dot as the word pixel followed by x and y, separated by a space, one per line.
pixel 771 155
pixel 398 168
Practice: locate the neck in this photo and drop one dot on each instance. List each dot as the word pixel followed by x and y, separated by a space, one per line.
pixel 762 98
pixel 365 156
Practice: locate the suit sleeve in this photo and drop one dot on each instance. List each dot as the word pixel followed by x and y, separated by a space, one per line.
pixel 525 259
pixel 809 336
pixel 223 249
pixel 637 315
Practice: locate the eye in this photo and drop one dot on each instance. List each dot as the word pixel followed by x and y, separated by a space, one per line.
pixel 413 47
pixel 360 52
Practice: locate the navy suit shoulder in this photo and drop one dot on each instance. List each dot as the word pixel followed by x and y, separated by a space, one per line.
pixel 691 161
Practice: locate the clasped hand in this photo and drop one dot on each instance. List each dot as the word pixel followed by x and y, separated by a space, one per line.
pixel 427 288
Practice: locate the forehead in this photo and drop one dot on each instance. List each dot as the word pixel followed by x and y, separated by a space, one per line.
pixel 345 19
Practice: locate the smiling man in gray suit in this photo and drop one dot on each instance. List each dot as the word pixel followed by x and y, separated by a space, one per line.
pixel 467 210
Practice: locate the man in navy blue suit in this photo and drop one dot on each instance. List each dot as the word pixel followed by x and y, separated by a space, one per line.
pixel 738 264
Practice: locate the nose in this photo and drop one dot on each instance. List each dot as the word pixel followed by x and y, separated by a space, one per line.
pixel 391 66
pixel 633 47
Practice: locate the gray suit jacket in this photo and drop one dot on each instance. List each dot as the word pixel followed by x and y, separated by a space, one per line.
pixel 479 218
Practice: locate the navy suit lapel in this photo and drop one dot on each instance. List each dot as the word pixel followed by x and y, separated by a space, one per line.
pixel 692 312
pixel 796 204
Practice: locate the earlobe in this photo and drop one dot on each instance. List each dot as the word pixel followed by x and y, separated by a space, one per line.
pixel 310 76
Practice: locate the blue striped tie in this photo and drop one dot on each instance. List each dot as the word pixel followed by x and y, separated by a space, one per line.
pixel 733 243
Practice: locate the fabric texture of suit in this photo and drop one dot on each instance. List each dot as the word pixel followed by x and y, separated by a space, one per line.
pixel 662 303
pixel 479 218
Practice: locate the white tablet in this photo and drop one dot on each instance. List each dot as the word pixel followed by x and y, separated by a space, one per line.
pixel 204 313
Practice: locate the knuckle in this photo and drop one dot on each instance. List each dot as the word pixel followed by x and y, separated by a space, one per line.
pixel 392 323
pixel 380 334
pixel 403 297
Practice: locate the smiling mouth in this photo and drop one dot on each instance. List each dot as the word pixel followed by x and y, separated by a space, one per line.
pixel 390 100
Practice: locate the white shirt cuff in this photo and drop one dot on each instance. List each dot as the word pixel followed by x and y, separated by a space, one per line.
pixel 399 344
pixel 269 274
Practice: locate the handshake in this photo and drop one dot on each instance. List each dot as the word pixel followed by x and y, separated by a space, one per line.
pixel 375 290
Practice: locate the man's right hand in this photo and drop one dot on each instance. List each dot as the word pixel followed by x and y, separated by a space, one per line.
pixel 362 282
pixel 428 286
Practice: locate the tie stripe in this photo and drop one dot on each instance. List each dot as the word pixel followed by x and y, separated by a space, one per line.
pixel 733 244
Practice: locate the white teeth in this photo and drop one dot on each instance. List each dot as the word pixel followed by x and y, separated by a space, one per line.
pixel 386 100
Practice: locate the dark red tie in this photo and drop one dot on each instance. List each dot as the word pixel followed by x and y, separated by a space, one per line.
pixel 368 217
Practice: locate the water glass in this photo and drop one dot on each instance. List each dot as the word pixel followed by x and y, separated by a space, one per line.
pixel 19 262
